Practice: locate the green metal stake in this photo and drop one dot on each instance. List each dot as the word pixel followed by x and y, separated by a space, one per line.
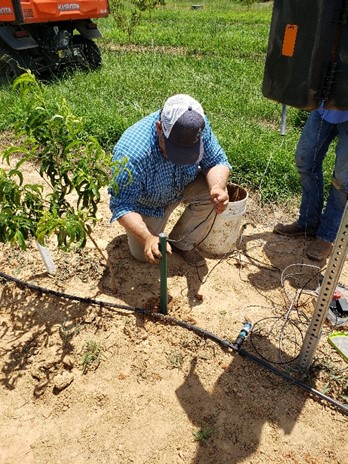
pixel 163 271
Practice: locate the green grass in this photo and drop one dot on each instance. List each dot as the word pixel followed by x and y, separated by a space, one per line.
pixel 217 55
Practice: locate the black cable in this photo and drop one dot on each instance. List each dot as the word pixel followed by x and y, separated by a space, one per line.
pixel 196 227
pixel 290 379
pixel 210 228
pixel 171 320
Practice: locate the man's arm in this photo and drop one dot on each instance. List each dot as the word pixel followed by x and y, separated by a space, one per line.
pixel 217 178
pixel 135 225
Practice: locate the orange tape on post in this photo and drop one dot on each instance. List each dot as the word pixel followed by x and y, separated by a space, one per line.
pixel 289 41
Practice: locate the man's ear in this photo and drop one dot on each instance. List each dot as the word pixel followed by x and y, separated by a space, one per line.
pixel 159 127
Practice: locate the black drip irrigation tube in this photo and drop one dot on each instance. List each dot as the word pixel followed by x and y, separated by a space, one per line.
pixel 235 347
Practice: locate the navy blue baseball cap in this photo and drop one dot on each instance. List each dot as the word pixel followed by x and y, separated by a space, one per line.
pixel 183 121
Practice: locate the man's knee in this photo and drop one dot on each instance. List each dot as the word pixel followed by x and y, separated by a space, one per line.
pixel 340 181
pixel 301 157
pixel 136 249
pixel 307 162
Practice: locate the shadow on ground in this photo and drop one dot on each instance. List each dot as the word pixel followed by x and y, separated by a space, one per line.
pixel 269 256
pixel 121 276
pixel 245 403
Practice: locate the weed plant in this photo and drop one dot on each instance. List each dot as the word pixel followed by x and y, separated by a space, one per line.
pixel 216 54
pixel 203 434
pixel 92 356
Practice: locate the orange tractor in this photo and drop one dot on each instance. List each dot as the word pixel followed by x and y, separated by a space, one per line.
pixel 49 35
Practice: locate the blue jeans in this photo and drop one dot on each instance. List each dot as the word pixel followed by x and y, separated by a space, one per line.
pixel 312 147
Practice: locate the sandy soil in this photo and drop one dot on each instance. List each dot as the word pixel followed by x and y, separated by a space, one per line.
pixel 102 383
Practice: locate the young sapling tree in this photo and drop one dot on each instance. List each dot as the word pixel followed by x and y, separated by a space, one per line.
pixel 73 165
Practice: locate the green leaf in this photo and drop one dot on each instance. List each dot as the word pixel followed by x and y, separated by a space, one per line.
pixel 20 239
pixel 8 152
pixel 16 172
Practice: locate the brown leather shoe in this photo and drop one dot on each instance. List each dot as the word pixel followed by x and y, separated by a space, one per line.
pixel 292 230
pixel 192 257
pixel 319 249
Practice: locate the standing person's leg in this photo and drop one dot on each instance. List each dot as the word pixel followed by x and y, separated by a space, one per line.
pixel 310 153
pixel 338 195
pixel 311 149
pixel 197 218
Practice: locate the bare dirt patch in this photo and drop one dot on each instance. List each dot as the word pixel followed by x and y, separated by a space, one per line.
pixel 84 382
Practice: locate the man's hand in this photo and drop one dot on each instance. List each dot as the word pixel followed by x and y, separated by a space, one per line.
pixel 217 178
pixel 152 250
pixel 219 198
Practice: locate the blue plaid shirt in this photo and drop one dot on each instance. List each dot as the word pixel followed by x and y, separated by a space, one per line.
pixel 156 182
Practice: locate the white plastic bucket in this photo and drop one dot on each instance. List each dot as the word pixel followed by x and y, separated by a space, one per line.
pixel 226 229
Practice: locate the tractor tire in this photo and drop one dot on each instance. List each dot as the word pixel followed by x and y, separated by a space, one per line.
pixel 12 64
pixel 88 52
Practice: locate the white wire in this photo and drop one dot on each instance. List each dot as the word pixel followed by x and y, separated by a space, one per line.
pixel 283 278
